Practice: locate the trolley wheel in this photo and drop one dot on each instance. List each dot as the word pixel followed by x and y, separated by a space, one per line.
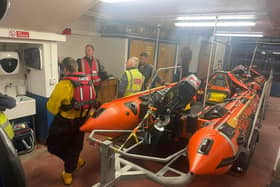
pixel 242 163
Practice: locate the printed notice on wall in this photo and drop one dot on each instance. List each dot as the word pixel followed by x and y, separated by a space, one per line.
pixel 19 34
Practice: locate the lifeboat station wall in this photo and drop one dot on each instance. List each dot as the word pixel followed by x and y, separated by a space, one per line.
pixel 112 52
pixel 39 82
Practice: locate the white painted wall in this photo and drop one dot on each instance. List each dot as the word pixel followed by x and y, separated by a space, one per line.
pixel 50 68
pixel 112 52
pixel 220 51
pixel 42 82
pixel 74 46
pixel 39 82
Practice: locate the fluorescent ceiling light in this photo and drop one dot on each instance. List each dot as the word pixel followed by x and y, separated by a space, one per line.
pixel 220 17
pixel 116 1
pixel 276 52
pixel 247 34
pixel 237 17
pixel 213 24
pixel 195 18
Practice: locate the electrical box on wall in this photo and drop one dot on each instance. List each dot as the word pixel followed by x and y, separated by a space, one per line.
pixel 9 62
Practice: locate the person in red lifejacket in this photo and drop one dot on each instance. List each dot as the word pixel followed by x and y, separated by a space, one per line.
pixel 91 66
pixel 70 102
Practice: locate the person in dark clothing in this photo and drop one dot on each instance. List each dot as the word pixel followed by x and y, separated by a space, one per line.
pixel 186 57
pixel 147 70
pixel 91 65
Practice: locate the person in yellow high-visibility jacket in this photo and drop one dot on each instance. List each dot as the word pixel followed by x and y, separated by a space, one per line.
pixel 132 80
pixel 6 126
pixel 6 102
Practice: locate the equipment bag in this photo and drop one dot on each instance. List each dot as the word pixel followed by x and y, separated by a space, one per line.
pixel 24 139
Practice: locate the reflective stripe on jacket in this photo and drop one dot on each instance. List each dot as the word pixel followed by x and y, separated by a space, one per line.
pixel 92 70
pixel 6 126
pixel 135 81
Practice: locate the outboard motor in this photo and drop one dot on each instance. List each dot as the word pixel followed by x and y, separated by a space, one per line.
pixel 169 104
pixel 175 98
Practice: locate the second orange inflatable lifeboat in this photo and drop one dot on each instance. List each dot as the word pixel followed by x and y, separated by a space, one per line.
pixel 216 147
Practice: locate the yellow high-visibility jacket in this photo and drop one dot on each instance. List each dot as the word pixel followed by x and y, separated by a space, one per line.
pixel 62 95
pixel 6 126
pixel 135 81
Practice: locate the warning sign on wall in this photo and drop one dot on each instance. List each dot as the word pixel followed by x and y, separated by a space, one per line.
pixel 18 34
pixel 22 34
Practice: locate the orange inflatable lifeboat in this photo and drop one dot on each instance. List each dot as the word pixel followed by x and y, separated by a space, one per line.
pixel 225 139
pixel 120 114
pixel 125 113
pixel 222 85
pixel 217 146
pixel 249 76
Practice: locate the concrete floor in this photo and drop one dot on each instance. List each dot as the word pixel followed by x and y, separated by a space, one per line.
pixel 44 170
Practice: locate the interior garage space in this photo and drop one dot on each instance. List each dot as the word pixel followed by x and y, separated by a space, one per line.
pixel 134 93
pixel 258 174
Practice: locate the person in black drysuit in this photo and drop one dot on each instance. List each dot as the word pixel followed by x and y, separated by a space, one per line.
pixel 147 70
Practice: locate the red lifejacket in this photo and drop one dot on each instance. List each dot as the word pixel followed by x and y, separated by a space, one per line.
pixel 93 70
pixel 84 92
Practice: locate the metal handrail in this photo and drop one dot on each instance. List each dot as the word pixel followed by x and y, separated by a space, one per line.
pixel 256 116
pixel 160 69
pixel 261 101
